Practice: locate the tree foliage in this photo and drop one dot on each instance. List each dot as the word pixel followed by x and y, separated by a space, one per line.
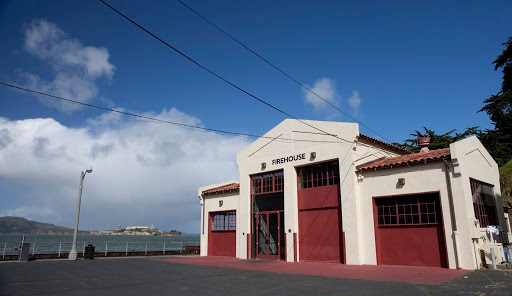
pixel 437 141
pixel 506 180
pixel 498 141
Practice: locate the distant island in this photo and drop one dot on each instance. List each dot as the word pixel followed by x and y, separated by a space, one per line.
pixel 17 225
pixel 137 231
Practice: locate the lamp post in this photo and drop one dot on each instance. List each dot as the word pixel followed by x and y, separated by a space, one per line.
pixel 72 253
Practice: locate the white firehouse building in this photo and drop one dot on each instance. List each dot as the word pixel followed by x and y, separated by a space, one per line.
pixel 353 199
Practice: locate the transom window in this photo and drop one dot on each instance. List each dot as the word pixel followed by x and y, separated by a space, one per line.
pixel 484 203
pixel 224 221
pixel 322 174
pixel 404 210
pixel 267 183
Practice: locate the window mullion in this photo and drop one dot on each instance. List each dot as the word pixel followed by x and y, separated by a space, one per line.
pixel 327 174
pixel 273 183
pixel 419 210
pixel 396 210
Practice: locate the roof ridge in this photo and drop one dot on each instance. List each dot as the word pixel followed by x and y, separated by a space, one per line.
pixel 223 188
pixel 396 147
pixel 407 159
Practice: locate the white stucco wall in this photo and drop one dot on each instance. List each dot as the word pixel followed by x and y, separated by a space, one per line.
pixel 210 202
pixel 419 178
pixel 326 147
pixel 469 160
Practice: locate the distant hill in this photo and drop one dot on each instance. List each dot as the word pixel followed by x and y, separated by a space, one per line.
pixel 16 225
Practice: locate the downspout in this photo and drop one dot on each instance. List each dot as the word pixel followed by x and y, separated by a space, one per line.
pixel 455 233
pixel 201 198
pixel 201 236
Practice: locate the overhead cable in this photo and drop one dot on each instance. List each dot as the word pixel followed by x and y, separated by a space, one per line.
pixel 153 119
pixel 183 125
pixel 214 73
pixel 280 70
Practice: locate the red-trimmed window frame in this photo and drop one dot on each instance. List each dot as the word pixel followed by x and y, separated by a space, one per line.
pixel 318 175
pixel 268 182
pixel 484 204
pixel 224 221
pixel 420 209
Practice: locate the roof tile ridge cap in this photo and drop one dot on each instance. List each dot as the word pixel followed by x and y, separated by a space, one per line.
pixel 439 150
pixel 407 152
pixel 218 188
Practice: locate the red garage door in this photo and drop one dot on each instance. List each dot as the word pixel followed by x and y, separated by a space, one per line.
pixel 222 234
pixel 409 230
pixel 320 236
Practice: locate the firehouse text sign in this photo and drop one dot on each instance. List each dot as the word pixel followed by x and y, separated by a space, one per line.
pixel 289 159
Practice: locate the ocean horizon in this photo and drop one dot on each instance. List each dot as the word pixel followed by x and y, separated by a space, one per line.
pixel 52 243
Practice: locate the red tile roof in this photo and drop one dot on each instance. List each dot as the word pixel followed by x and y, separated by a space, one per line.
pixel 222 189
pixel 388 145
pixel 437 154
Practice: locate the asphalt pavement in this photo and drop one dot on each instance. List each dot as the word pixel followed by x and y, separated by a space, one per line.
pixel 150 276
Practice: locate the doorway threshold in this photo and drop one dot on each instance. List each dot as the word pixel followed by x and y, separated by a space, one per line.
pixel 259 260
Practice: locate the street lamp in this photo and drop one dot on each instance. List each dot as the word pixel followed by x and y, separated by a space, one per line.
pixel 72 253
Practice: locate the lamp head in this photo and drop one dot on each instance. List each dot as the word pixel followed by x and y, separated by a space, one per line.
pixel 89 170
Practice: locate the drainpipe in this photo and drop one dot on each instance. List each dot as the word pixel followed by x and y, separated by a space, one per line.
pixel 452 213
pixel 202 201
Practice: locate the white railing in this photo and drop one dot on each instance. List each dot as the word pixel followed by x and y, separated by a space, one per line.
pixel 60 248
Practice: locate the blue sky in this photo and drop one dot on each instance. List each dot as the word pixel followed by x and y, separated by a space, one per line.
pixel 409 64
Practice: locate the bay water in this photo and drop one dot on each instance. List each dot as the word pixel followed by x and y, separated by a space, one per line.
pixel 52 243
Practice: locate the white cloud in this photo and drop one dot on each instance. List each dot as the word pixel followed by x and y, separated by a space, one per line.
pixel 76 67
pixel 48 42
pixel 354 101
pixel 64 85
pixel 325 88
pixel 143 172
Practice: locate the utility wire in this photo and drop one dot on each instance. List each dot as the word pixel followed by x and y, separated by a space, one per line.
pixel 153 119
pixel 182 125
pixel 187 126
pixel 280 70
pixel 215 74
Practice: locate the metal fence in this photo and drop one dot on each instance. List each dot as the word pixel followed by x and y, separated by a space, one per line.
pixel 39 248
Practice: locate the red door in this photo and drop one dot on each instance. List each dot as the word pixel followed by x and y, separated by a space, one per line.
pixel 268 234
pixel 222 234
pixel 320 236
pixel 409 230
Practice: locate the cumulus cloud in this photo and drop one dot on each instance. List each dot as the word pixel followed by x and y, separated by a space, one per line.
pixel 42 149
pixel 48 42
pixel 325 88
pixel 77 67
pixel 143 172
pixel 5 138
pixel 354 101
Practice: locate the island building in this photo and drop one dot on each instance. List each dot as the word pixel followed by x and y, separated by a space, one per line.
pixel 353 199
pixel 141 228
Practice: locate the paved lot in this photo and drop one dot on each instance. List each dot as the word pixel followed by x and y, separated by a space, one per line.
pixel 151 276
pixel 385 273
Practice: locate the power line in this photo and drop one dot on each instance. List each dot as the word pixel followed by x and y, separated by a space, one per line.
pixel 182 125
pixel 186 126
pixel 153 119
pixel 213 73
pixel 280 70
